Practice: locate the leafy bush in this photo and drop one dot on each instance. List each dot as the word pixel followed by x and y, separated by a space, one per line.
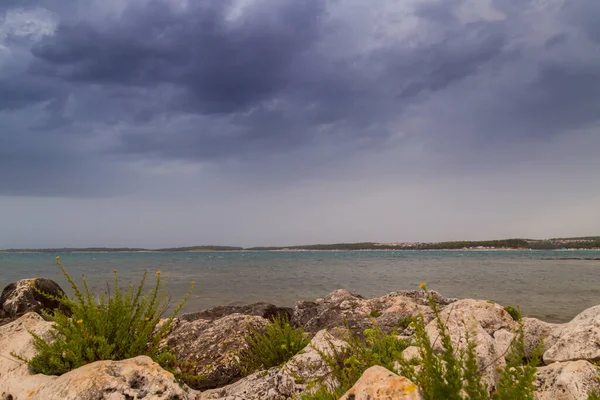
pixel 273 346
pixel 114 326
pixel 594 395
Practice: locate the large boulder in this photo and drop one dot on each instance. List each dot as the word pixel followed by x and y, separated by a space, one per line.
pixel 378 383
pixel 572 380
pixel 265 310
pixel 134 378
pixel 342 309
pixel 210 348
pixel 487 324
pixel 578 339
pixel 24 296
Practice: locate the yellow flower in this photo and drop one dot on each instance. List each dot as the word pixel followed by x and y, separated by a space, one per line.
pixel 79 321
pixel 193 282
pixel 208 366
pixel 31 283
pixel 158 273
pixel 598 377
pixel 57 258
pixel 147 319
pixel 423 285
pixel 115 271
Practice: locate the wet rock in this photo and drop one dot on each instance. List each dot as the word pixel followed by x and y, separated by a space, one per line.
pixel 211 347
pixel 265 310
pixel 378 383
pixel 572 380
pixel 345 309
pixel 20 297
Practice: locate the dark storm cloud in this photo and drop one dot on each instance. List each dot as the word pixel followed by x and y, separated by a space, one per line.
pixel 159 81
pixel 224 67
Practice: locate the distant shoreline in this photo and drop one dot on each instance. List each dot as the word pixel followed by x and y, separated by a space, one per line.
pixel 561 244
pixel 289 251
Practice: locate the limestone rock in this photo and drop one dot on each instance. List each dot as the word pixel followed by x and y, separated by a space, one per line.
pixel 19 297
pixel 211 347
pixel 536 332
pixel 572 380
pixel 343 308
pixel 488 325
pixel 308 365
pixel 378 383
pixel 578 339
pixel 265 310
pixel 15 377
pixel 134 378
pixel 262 385
pixel 291 380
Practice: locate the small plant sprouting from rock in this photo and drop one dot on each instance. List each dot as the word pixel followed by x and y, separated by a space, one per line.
pixel 114 326
pixel 515 313
pixel 273 346
pixel 405 322
pixel 375 314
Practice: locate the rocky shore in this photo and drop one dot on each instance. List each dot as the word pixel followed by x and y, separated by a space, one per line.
pixel 211 340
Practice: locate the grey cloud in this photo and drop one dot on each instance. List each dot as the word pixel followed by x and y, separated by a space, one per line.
pixel 265 94
pixel 224 66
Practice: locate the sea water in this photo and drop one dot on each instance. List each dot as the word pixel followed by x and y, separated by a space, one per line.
pixel 551 285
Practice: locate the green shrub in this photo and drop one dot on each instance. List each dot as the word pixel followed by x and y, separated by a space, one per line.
pixel 515 313
pixel 273 346
pixel 375 314
pixel 114 326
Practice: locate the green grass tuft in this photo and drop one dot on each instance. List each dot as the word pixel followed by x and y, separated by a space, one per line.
pixel 273 346
pixel 515 313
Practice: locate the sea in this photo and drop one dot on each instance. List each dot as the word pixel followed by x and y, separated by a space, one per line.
pixel 550 285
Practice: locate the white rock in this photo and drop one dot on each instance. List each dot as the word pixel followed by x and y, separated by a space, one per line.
pixel 482 321
pixel 378 383
pixel 576 340
pixel 572 380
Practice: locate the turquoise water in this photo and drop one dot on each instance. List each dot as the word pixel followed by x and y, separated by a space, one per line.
pixel 546 284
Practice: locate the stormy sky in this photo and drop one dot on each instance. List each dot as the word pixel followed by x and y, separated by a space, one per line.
pixel 273 122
